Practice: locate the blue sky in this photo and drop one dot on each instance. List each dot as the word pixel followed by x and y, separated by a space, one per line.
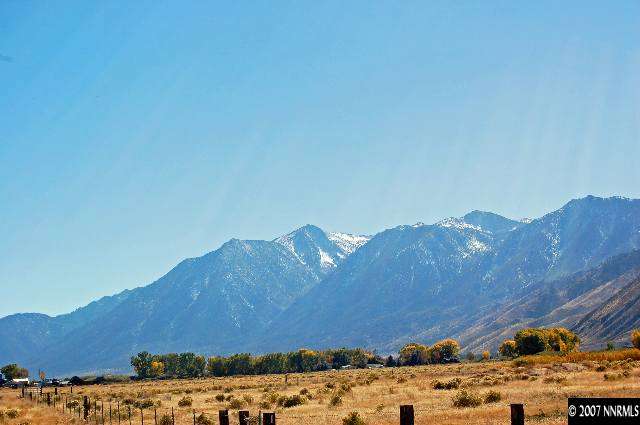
pixel 135 134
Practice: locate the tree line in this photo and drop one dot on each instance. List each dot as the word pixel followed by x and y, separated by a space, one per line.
pixel 190 365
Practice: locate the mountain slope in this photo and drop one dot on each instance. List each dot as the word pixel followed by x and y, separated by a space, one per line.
pixel 23 335
pixel 578 236
pixel 387 288
pixel 615 318
pixel 428 282
pixel 211 304
pixel 562 302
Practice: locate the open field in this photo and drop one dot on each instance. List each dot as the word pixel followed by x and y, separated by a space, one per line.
pixel 375 394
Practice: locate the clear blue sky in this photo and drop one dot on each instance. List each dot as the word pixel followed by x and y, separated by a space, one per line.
pixel 135 134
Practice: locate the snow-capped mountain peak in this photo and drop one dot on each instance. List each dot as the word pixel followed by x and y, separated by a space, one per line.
pixel 347 242
pixel 458 224
pixel 319 250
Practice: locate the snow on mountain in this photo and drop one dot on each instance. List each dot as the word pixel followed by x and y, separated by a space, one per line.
pixel 348 243
pixel 458 223
pixel 320 250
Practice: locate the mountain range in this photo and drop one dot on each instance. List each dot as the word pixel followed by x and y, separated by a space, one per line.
pixel 477 278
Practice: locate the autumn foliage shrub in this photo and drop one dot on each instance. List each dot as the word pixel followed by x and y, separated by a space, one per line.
pixel 635 338
pixel 414 354
pixel 466 398
pixel 353 418
pixel 492 397
pixel 446 385
pixel 538 340
pixel 185 402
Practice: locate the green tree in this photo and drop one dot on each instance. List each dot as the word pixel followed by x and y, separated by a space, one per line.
pixel 216 366
pixel 390 362
pixel 191 365
pixel 142 364
pixel 13 371
pixel 339 357
pixel 240 364
pixel 536 340
pixel 170 362
pixel 531 341
pixel 271 363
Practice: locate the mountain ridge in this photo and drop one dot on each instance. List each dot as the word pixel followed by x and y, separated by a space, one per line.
pixel 324 289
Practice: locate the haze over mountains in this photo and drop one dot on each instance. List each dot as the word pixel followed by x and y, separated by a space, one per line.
pixel 476 278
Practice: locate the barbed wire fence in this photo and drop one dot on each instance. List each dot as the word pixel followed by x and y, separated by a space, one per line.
pixel 95 411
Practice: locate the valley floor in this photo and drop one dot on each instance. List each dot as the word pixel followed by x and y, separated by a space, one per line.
pixel 375 394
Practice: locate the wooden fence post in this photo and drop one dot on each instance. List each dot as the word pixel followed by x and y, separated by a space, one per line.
pixel 517 414
pixel 85 405
pixel 118 412
pixel 223 416
pixel 129 411
pixel 243 417
pixel 406 415
pixel 155 416
pixel 141 416
pixel 173 417
pixel 268 418
pixel 194 417
pixel 48 399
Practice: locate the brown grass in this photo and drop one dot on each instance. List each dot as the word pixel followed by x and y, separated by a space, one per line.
pixel 375 394
pixel 29 412
pixel 577 357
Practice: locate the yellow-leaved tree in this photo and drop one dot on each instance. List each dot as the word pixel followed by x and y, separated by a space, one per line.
pixel 635 338
pixel 508 348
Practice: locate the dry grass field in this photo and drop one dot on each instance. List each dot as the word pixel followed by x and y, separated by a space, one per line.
pixel 375 394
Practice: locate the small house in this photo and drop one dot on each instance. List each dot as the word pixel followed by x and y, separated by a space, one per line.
pixel 19 382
